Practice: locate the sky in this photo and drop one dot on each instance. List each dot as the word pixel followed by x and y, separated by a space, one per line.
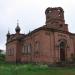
pixel 31 15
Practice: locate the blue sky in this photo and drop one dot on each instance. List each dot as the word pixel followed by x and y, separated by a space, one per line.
pixel 30 14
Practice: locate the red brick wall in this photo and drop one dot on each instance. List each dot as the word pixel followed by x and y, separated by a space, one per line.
pixel 11 45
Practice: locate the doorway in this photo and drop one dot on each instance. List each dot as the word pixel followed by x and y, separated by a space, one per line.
pixel 62 51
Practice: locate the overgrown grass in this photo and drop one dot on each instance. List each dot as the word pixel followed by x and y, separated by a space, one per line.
pixel 29 69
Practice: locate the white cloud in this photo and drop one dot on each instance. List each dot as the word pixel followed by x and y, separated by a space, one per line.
pixel 30 14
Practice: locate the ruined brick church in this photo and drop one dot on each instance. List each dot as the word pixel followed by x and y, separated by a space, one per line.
pixel 50 43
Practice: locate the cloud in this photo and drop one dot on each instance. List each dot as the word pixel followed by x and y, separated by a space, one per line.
pixel 30 14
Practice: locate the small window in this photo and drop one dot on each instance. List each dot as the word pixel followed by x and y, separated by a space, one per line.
pixel 24 50
pixel 62 45
pixel 61 25
pixel 50 11
pixel 58 10
pixel 59 14
pixel 12 51
pixel 37 47
pixel 9 52
pixel 29 48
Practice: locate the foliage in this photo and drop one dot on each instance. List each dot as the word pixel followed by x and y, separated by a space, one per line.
pixel 2 57
pixel 29 69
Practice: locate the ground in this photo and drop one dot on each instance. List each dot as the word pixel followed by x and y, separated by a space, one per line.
pixel 29 69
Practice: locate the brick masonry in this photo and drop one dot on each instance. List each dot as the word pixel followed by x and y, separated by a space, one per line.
pixel 50 43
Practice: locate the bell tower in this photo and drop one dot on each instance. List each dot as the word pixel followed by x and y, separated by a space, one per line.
pixel 55 18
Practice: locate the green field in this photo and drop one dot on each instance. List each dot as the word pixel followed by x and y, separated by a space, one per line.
pixel 29 69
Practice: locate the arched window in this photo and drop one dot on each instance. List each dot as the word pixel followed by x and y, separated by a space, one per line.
pixel 37 47
pixel 62 51
pixel 24 50
pixel 27 49
pixel 62 45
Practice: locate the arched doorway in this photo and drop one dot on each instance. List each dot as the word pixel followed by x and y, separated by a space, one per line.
pixel 62 51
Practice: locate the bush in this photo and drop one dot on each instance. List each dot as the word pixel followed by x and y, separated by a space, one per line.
pixel 2 57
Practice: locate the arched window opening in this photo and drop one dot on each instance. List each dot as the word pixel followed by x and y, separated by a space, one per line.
pixel 62 51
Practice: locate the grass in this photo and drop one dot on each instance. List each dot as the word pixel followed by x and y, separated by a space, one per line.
pixel 29 69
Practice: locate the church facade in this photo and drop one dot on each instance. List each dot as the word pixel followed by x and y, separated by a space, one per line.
pixel 50 43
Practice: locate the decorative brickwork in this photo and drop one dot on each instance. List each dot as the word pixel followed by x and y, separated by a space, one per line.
pixel 50 43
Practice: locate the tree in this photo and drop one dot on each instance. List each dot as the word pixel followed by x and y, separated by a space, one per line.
pixel 2 55
pixel 1 51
